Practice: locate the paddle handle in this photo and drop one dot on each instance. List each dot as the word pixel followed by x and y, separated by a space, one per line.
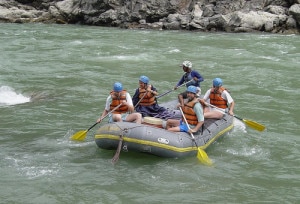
pixel 173 89
pixel 185 83
pixel 161 95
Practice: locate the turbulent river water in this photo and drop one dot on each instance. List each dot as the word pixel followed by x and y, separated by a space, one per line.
pixel 54 80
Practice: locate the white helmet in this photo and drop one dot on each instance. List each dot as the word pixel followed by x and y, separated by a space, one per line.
pixel 187 64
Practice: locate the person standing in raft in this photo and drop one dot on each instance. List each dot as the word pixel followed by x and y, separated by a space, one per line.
pixel 219 97
pixel 193 113
pixel 190 75
pixel 125 111
pixel 144 99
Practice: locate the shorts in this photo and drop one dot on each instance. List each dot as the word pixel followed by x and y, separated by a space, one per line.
pixel 183 127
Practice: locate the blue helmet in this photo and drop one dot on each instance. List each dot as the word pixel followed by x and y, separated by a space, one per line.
pixel 217 82
pixel 144 79
pixel 118 87
pixel 192 89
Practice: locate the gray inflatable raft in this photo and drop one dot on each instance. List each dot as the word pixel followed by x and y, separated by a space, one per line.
pixel 151 139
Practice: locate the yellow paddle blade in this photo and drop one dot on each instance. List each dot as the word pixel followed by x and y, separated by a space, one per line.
pixel 254 125
pixel 202 156
pixel 80 135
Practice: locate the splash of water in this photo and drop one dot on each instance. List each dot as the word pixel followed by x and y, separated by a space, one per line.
pixel 8 96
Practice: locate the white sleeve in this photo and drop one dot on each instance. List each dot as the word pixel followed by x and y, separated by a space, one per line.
pixel 206 95
pixel 129 99
pixel 108 102
pixel 227 97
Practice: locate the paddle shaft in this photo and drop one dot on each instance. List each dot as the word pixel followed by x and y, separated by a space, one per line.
pixel 161 95
pixel 105 116
pixel 222 110
pixel 82 134
pixel 115 108
pixel 92 126
pixel 141 99
pixel 250 123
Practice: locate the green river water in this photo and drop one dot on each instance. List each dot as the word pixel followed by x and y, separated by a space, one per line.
pixel 54 80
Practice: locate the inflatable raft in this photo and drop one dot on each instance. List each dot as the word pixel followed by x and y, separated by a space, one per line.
pixel 151 138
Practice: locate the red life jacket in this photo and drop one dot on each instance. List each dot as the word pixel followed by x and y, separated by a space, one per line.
pixel 216 98
pixel 117 98
pixel 189 112
pixel 148 99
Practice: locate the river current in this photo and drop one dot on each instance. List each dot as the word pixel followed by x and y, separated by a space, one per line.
pixel 54 80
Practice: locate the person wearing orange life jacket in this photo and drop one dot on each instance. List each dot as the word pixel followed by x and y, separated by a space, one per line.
pixel 219 97
pixel 144 99
pixel 125 111
pixel 193 113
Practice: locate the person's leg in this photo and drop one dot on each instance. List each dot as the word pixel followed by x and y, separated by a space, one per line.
pixel 172 123
pixel 174 129
pixel 213 114
pixel 182 127
pixel 117 117
pixel 206 109
pixel 134 117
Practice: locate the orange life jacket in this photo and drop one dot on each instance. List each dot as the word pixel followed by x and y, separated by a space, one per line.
pixel 148 99
pixel 117 98
pixel 189 112
pixel 216 98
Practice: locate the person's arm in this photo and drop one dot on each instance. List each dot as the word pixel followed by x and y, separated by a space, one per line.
pixel 129 103
pixel 231 107
pixel 106 109
pixel 104 113
pixel 135 97
pixel 179 83
pixel 197 76
pixel 199 112
pixel 230 102
pixel 205 97
pixel 152 89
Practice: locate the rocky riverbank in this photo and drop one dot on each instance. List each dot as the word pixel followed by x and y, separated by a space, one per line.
pixel 274 16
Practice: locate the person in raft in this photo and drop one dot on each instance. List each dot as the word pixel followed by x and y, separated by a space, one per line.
pixel 191 76
pixel 123 113
pixel 144 99
pixel 219 97
pixel 193 113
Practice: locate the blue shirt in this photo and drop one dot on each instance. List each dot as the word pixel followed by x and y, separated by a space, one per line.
pixel 188 76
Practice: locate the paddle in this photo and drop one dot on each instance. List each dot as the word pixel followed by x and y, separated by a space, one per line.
pixel 117 154
pixel 161 95
pixel 81 135
pixel 141 99
pixel 250 123
pixel 201 155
